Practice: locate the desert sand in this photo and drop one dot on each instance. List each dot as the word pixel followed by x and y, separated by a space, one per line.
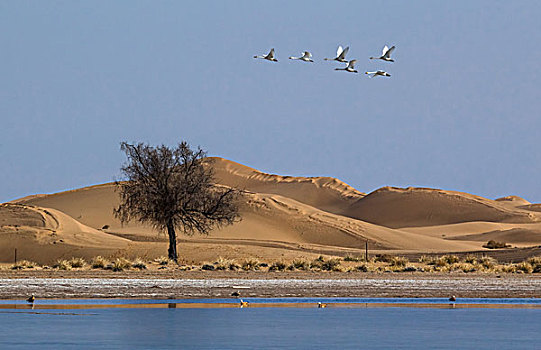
pixel 283 217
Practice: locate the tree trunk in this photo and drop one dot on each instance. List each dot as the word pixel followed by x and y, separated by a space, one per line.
pixel 172 242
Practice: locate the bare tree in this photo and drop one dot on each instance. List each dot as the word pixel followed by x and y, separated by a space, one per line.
pixel 173 188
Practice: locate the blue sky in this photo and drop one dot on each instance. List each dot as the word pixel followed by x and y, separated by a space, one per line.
pixel 460 112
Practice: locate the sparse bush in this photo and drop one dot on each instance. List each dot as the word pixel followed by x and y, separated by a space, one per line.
pixel 250 264
pixel 353 258
pixel 492 244
pixel 447 260
pixel 464 267
pixel 99 262
pixel 120 264
pixel 409 269
pixel 226 264
pixel 331 265
pixel 386 258
pixel 208 267
pixel 23 264
pixel 278 266
pixel 429 260
pixel 138 263
pixel 162 260
pixel 487 262
pixel 398 261
pixel 536 263
pixel 300 264
pixel 77 262
pixel 524 267
pixel 62 265
pixel 363 267
pixel 470 259
pixel 509 268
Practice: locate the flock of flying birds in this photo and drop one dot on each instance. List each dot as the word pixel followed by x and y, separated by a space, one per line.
pixel 340 57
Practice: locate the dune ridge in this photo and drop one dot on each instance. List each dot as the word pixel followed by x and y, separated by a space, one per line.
pixel 283 216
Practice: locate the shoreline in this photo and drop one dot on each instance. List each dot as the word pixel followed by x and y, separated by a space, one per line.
pixel 51 284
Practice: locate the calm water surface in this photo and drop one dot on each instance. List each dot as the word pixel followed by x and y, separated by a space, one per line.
pixel 334 327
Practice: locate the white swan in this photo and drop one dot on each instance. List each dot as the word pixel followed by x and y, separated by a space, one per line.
pixel 306 57
pixel 269 56
pixel 385 54
pixel 340 55
pixel 350 67
pixel 376 73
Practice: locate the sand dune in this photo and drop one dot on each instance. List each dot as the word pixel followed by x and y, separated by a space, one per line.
pixel 410 207
pixel 282 216
pixel 45 235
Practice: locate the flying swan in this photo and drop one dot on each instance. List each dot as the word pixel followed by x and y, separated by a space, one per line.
pixel 340 55
pixel 269 56
pixel 350 67
pixel 385 54
pixel 376 73
pixel 306 57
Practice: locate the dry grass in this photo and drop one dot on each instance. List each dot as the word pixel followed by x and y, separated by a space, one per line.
pixel 77 262
pixel 299 264
pixel 536 263
pixel 23 264
pixel 120 264
pixel 162 260
pixel 278 266
pixel 99 262
pixel 524 267
pixel 250 264
pixel 62 264
pixel 487 262
pixel 138 263
pixel 332 264
pixel 399 261
pixel 226 264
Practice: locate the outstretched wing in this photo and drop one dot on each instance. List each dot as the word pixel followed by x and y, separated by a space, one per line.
pixel 307 54
pixel 389 52
pixel 271 53
pixel 344 53
pixel 351 64
pixel 384 51
pixel 339 51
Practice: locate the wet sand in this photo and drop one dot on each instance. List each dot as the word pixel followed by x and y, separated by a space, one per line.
pixel 200 284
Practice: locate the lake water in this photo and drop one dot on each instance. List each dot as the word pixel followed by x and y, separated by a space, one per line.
pixel 368 323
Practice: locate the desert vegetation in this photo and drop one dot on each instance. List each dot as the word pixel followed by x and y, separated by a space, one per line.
pixel 325 264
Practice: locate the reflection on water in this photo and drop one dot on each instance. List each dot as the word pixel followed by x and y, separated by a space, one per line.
pixel 183 325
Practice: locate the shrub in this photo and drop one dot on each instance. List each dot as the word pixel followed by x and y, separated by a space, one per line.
pixel 487 262
pixel 208 267
pixel 300 264
pixel 120 264
pixel 409 269
pixel 77 262
pixel 226 264
pixel 464 267
pixel 278 266
pixel 138 263
pixel 509 268
pixel 386 258
pixel 524 267
pixel 250 264
pixel 162 260
pixel 492 244
pixel 398 261
pixel 470 259
pixel 429 260
pixel 362 267
pixel 62 265
pixel 99 262
pixel 353 258
pixel 536 263
pixel 23 264
pixel 331 265
pixel 447 260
